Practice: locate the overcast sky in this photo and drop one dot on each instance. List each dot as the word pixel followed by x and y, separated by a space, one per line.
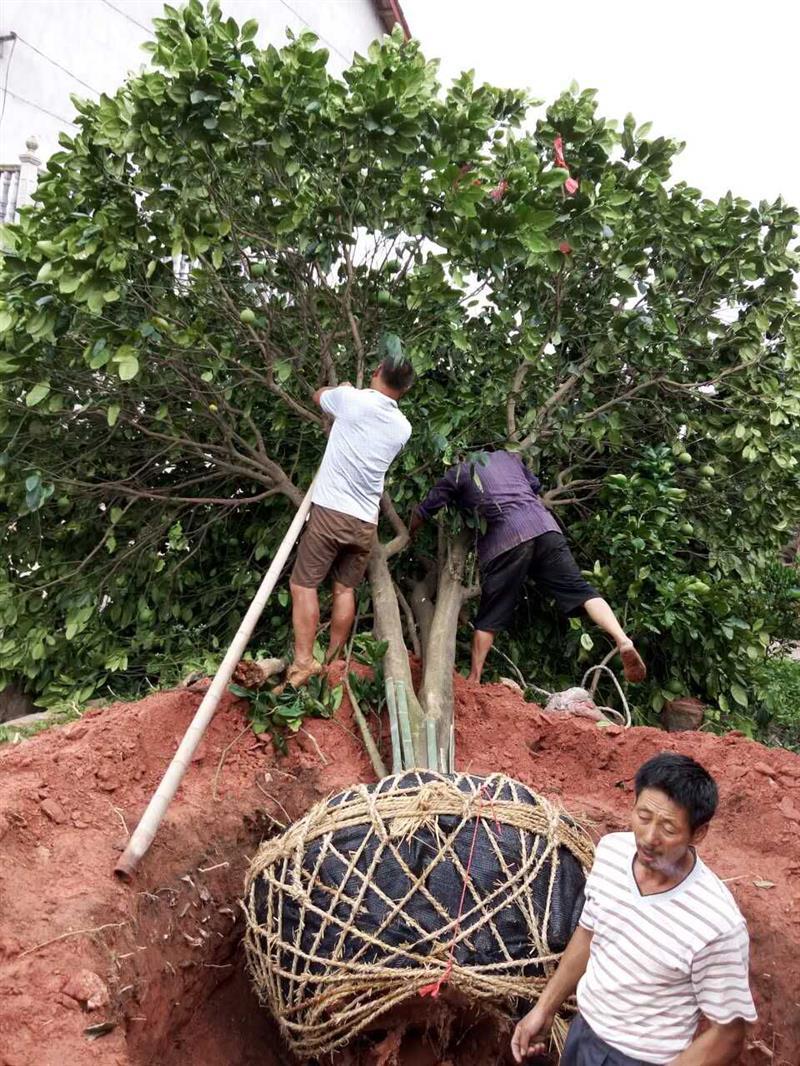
pixel 718 74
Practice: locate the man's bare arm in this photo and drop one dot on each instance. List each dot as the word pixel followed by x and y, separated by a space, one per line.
pixel 327 388
pixel 528 1038
pixel 719 1045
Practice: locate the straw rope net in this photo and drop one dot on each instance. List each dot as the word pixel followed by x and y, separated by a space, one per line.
pixel 389 891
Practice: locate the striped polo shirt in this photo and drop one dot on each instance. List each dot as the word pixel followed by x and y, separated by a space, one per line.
pixel 659 962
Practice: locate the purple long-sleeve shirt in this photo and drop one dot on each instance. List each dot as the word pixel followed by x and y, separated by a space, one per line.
pixel 503 492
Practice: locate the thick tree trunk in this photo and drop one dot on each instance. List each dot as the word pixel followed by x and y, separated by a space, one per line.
pixel 440 647
pixel 389 627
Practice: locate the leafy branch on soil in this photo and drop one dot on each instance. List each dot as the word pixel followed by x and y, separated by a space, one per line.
pixel 278 712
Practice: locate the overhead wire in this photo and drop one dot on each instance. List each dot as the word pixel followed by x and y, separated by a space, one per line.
pixel 46 111
pixel 55 63
pixel 130 18
pixel 5 84
pixel 324 40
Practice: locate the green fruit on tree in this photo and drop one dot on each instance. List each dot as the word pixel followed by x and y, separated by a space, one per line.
pixel 707 471
pixel 670 273
pixel 685 458
pixel 247 316
pixel 687 528
pixel 160 323
pixel 704 485
pixel 383 297
pixel 258 270
pixel 675 686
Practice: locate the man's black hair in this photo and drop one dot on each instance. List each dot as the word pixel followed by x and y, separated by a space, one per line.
pixel 685 781
pixel 397 373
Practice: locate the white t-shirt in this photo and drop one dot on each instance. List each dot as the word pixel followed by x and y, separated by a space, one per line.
pixel 658 962
pixel 368 432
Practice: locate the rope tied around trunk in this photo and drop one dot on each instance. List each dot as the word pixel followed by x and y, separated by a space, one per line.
pixel 387 891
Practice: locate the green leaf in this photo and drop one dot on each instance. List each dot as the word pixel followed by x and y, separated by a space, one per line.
pixel 249 30
pixel 739 694
pixel 127 364
pixel 37 394
pixel 554 177
pixel 112 414
pixel 238 690
pixel 586 642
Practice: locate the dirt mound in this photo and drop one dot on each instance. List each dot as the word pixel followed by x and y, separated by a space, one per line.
pixel 159 961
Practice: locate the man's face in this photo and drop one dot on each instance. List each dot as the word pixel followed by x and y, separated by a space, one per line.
pixel 662 831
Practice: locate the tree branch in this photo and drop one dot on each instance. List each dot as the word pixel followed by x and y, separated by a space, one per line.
pixel 411 625
pixel 401 538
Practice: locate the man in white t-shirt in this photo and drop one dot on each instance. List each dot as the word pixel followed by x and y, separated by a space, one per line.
pixel 368 431
pixel 660 943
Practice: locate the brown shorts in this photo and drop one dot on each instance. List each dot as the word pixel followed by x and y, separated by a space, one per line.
pixel 333 543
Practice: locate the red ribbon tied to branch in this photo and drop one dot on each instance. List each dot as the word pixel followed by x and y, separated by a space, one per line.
pixel 571 185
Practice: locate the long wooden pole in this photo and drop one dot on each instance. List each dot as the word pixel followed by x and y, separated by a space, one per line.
pixel 145 831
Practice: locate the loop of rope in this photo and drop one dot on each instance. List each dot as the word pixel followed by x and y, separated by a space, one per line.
pixel 594 672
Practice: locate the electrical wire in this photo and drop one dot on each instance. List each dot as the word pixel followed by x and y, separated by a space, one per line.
pixel 125 15
pixel 324 40
pixel 75 77
pixel 5 84
pixel 39 107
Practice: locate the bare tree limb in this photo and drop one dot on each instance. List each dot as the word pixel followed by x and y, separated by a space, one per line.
pixel 411 625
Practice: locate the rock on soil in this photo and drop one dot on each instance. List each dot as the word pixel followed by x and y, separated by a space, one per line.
pixel 165 949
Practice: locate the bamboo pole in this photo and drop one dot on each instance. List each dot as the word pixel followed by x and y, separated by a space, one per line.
pixel 409 757
pixel 430 736
pixel 145 831
pixel 394 728
pixel 378 764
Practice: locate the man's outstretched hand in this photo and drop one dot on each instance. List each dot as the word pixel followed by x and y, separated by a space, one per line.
pixel 529 1036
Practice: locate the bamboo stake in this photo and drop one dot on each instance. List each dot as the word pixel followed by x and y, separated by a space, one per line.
pixel 145 831
pixel 372 749
pixel 394 728
pixel 430 735
pixel 409 758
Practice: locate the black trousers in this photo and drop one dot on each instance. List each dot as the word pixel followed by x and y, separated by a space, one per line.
pixel 585 1048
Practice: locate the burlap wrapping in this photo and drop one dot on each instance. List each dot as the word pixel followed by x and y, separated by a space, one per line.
pixel 362 903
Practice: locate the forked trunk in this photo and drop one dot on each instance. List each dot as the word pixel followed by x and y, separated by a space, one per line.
pixel 389 627
pixel 436 605
pixel 439 650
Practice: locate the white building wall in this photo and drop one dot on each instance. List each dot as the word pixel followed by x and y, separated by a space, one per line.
pixel 87 47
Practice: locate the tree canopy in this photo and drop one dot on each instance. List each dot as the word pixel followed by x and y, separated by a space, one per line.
pixel 235 227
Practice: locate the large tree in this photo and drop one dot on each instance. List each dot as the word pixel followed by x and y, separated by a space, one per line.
pixel 235 228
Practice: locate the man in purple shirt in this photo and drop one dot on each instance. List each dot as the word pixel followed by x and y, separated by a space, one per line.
pixel 522 539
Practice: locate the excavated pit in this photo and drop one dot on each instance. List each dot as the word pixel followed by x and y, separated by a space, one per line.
pixel 160 959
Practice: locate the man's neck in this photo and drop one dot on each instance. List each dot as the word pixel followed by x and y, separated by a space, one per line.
pixel 385 390
pixel 651 881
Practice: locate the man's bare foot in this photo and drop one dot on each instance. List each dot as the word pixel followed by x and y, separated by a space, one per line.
pixel 632 663
pixel 475 679
pixel 299 673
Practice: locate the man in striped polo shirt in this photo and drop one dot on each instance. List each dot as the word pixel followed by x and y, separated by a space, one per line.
pixel 660 943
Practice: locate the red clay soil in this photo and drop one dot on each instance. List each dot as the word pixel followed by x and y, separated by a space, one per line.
pixel 159 960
